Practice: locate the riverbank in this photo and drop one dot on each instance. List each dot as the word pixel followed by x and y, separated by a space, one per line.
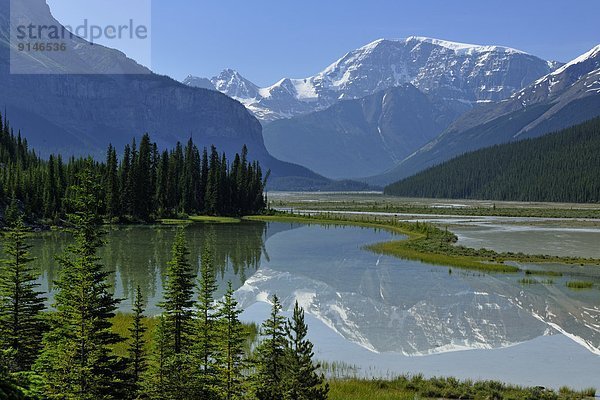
pixel 417 387
pixel 427 243
pixel 204 219
pixel 399 388
pixel 377 202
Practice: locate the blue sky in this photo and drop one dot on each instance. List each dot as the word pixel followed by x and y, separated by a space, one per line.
pixel 266 40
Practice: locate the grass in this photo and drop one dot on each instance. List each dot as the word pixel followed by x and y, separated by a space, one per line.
pixel 121 323
pixel 580 285
pixel 429 244
pixel 400 206
pixel 204 219
pixel 543 273
pixel 417 387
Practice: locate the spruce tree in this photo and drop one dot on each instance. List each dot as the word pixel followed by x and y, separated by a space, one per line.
pixel 77 360
pixel 137 354
pixel 178 295
pixel 302 380
pixel 157 377
pixel 268 379
pixel 205 338
pixel 111 183
pixel 231 350
pixel 142 180
pixel 21 306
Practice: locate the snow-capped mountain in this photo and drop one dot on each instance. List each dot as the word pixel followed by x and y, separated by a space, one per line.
pixel 361 137
pixel 565 97
pixel 454 71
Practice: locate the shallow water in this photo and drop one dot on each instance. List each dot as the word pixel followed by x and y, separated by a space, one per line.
pixel 383 314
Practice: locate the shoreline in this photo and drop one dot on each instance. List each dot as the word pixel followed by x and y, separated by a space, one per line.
pixel 429 244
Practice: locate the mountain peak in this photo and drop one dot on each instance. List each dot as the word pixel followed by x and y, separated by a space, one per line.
pixel 233 84
pixel 462 73
pixel 196 81
pixel 593 54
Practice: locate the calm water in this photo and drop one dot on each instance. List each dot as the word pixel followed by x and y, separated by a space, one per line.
pixel 384 315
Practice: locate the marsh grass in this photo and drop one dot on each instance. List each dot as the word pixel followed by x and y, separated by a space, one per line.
pixel 204 219
pixel 580 284
pixel 543 273
pixel 121 323
pixel 391 206
pixel 418 387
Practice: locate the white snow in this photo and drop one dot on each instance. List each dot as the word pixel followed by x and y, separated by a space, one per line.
pixel 594 52
pixel 465 48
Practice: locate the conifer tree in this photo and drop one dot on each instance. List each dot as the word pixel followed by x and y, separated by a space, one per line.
pixel 302 380
pixel 170 373
pixel 76 360
pixel 231 351
pixel 142 180
pixel 12 213
pixel 155 378
pixel 137 354
pixel 178 295
pixel 205 338
pixel 111 183
pixel 126 190
pixel 268 379
pixel 169 376
pixel 21 324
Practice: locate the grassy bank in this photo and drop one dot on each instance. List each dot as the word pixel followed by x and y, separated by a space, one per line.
pixel 123 321
pixel 414 387
pixel 427 243
pixel 203 219
pixel 417 387
pixel 391 206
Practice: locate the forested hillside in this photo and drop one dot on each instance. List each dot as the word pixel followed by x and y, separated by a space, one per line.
pixel 144 184
pixel 561 167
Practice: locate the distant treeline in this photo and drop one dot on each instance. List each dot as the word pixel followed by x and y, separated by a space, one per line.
pixel 142 185
pixel 560 167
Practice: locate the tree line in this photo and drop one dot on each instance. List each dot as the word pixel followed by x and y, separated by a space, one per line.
pixel 142 185
pixel 560 167
pixel 198 349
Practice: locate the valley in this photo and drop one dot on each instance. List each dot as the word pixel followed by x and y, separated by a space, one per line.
pixel 285 201
pixel 388 316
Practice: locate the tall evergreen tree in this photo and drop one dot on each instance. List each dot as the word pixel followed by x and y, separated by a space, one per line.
pixel 178 294
pixel 126 190
pixel 21 324
pixel 205 338
pixel 302 380
pixel 137 354
pixel 268 379
pixel 77 360
pixel 111 183
pixel 212 199
pixel 142 180
pixel 231 351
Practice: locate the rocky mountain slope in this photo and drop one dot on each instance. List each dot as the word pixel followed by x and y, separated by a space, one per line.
pixel 565 97
pixel 61 111
pixel 359 137
pixel 457 72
